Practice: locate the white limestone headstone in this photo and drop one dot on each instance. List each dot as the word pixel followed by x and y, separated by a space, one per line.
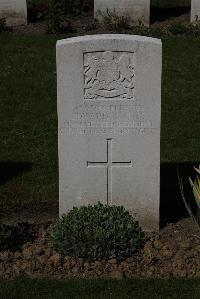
pixel 195 10
pixel 14 11
pixel 136 10
pixel 109 109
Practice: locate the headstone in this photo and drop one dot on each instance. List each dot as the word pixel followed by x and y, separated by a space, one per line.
pixel 195 10
pixel 14 11
pixel 136 10
pixel 109 109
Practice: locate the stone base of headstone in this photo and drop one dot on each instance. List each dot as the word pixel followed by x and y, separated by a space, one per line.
pixel 135 10
pixel 14 11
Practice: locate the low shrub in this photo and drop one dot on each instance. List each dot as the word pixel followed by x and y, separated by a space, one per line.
pixel 193 29
pixel 97 232
pixel 178 28
pixel 113 21
pixel 118 23
pixel 171 29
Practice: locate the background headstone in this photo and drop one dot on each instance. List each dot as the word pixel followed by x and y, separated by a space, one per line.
pixel 109 107
pixel 195 10
pixel 14 11
pixel 136 10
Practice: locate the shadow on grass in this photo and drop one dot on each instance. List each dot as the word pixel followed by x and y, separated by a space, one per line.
pixel 162 14
pixel 172 207
pixel 10 169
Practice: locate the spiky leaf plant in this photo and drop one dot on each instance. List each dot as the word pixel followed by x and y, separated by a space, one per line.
pixel 196 190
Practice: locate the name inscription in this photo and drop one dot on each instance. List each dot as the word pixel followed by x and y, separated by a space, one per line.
pixel 111 119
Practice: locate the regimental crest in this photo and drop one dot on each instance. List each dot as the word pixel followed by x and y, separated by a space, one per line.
pixel 109 75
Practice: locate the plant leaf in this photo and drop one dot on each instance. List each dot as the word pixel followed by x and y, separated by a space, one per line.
pixel 185 202
pixel 197 170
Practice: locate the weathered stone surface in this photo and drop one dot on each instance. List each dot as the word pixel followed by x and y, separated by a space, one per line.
pixel 109 107
pixel 136 10
pixel 195 10
pixel 14 11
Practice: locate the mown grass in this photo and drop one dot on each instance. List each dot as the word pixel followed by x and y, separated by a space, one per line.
pixel 28 114
pixel 104 289
pixel 180 100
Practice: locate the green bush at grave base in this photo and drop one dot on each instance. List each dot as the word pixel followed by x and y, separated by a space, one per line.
pixel 97 232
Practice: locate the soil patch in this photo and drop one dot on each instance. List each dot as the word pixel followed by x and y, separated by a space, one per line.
pixel 14 237
pixel 39 27
pixel 173 252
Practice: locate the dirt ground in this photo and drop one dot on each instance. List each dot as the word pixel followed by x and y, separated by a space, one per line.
pixel 173 252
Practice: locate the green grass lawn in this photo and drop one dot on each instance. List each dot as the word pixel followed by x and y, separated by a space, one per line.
pixel 28 116
pixel 105 289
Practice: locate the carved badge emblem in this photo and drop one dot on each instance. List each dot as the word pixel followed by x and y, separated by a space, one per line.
pixel 109 75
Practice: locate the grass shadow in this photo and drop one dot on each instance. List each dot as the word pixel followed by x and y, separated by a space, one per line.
pixel 10 169
pixel 172 207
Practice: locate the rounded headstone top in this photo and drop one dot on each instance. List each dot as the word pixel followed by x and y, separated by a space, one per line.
pixel 100 37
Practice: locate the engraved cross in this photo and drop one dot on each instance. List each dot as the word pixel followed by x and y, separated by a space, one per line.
pixel 109 164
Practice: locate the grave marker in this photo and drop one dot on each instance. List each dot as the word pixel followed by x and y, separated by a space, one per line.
pixel 14 11
pixel 195 10
pixel 109 106
pixel 136 10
